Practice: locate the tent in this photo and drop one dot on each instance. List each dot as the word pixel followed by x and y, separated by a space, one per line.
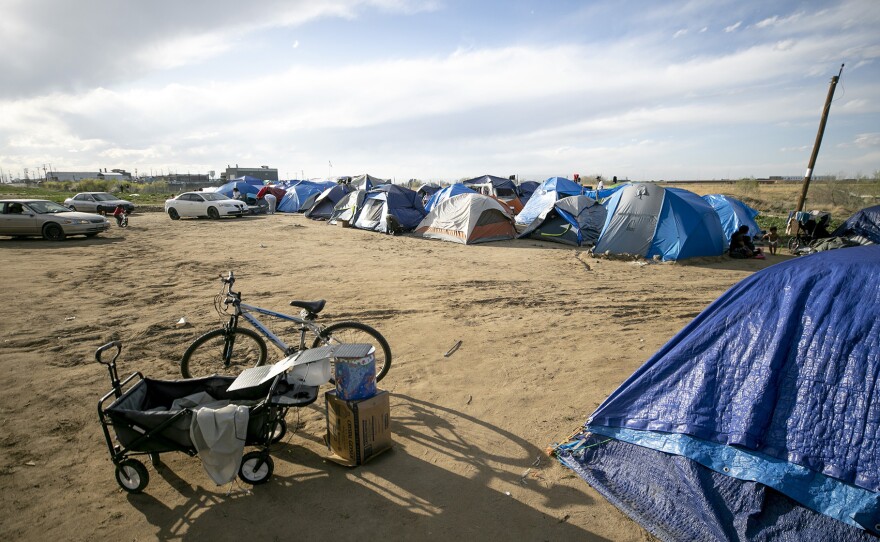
pixel 761 416
pixel 575 220
pixel 249 180
pixel 601 195
pixel 246 189
pixel 399 202
pixel 446 193
pixel 467 219
pixel 526 189
pixel 349 207
pixel 668 223
pixel 299 193
pixel 733 214
pixel 865 224
pixel 326 201
pixel 504 190
pixel 548 193
pixel 427 190
pixel 367 182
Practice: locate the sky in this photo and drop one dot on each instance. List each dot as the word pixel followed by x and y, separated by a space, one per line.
pixel 440 90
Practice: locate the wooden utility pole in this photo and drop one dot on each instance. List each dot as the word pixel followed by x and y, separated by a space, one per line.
pixel 809 174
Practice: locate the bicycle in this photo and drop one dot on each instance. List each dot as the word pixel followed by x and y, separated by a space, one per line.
pixel 231 349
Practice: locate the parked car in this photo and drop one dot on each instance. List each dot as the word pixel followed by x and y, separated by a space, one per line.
pixel 210 204
pixel 97 202
pixel 36 217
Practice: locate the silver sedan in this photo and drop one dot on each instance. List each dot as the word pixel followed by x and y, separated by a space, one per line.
pixel 32 217
pixel 97 202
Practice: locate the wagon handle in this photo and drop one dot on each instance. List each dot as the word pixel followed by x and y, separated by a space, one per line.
pixel 111 365
pixel 100 351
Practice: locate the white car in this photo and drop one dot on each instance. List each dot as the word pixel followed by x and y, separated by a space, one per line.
pixel 210 204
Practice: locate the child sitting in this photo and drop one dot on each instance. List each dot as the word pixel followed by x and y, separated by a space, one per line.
pixel 118 213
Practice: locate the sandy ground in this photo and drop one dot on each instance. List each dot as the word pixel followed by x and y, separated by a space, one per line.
pixel 547 332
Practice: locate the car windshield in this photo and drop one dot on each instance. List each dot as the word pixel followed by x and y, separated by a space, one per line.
pixel 104 196
pixel 213 196
pixel 47 207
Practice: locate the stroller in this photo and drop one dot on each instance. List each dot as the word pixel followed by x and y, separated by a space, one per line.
pixel 146 422
pixel 806 228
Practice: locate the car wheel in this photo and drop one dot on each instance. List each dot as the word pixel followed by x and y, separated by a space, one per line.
pixel 53 232
pixel 172 213
pixel 213 213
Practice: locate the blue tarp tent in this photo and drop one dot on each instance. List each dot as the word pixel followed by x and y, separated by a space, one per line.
pixel 446 193
pixel 548 193
pixel 575 220
pixel 322 209
pixel 299 193
pixel 775 385
pixel 733 214
pixel 367 182
pixel 246 189
pixel 865 223
pixel 250 180
pixel 668 223
pixel 602 195
pixel 526 189
pixel 390 200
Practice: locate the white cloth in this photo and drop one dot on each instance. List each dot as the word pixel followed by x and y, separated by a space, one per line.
pixel 271 200
pixel 219 435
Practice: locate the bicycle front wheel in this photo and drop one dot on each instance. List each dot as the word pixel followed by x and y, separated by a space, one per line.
pixel 356 332
pixel 221 352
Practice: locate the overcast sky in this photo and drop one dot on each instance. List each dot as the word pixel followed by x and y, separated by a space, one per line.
pixel 439 90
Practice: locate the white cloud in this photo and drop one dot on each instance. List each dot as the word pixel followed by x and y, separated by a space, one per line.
pixel 679 33
pixel 865 141
pixel 732 27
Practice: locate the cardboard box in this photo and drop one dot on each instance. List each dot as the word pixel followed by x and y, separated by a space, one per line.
pixel 358 431
pixel 343 223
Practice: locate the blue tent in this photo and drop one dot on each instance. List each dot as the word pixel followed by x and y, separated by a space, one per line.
pixel 668 223
pixel 243 187
pixel 403 204
pixel 250 180
pixel 865 223
pixel 548 193
pixel 526 189
pixel 601 195
pixel 733 214
pixel 367 182
pixel 322 209
pixel 575 220
pixel 775 385
pixel 299 193
pixel 501 186
pixel 446 193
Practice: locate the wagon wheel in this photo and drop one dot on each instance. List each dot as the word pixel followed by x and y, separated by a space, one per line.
pixel 132 475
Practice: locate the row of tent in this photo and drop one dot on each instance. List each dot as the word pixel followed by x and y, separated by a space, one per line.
pixel 644 220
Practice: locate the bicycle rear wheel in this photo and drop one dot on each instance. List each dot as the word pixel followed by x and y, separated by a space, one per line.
pixel 206 356
pixel 356 332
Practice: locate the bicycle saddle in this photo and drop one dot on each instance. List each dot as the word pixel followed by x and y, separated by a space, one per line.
pixel 313 307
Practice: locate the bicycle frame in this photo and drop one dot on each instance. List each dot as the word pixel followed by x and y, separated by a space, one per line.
pixel 244 310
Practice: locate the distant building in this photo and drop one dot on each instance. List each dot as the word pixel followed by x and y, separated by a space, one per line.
pixel 264 173
pixel 116 174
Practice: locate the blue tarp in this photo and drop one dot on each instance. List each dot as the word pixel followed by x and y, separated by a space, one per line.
pixel 602 195
pixel 677 499
pixel 526 189
pixel 548 193
pixel 865 223
pixel 446 193
pixel 733 214
pixel 250 180
pixel 299 193
pixel 243 187
pixel 785 366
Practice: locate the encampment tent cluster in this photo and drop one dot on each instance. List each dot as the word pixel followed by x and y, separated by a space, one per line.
pixel 636 219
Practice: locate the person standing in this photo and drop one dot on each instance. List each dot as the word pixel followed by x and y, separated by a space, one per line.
pixel 600 185
pixel 271 200
pixel 236 194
